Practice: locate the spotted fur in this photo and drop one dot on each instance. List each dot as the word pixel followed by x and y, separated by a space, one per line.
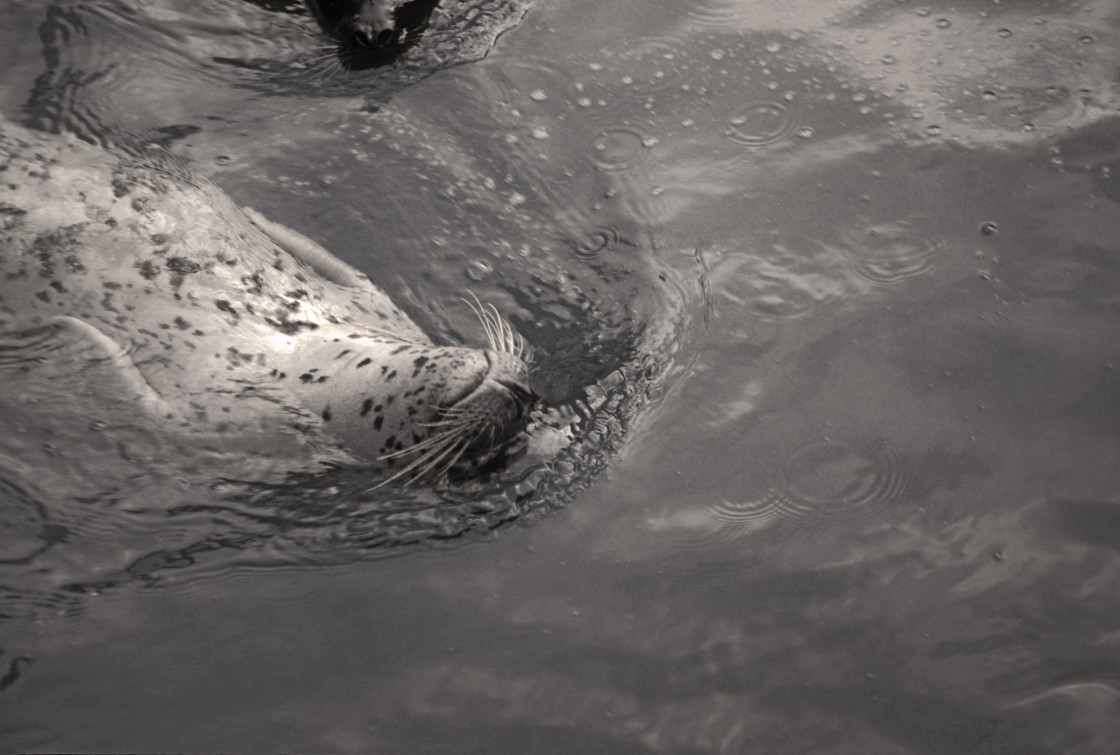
pixel 223 322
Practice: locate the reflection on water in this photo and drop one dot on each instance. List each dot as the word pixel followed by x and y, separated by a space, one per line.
pixel 824 303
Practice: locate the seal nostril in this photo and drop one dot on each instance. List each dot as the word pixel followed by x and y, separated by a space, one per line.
pixel 360 38
pixel 384 37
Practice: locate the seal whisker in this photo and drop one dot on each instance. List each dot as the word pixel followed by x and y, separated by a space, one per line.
pixel 429 460
pixel 427 443
pixel 482 315
pixel 466 420
pixel 499 333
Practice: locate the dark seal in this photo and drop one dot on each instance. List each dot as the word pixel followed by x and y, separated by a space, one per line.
pixel 372 33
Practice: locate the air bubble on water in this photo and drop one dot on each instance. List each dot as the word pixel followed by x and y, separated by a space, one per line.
pixel 923 12
pixel 989 229
pixel 584 102
pixel 805 132
pixel 1004 33
pixel 933 130
pixel 774 47
pixel 888 60
pixel 988 95
pixel 716 54
pixel 1028 127
pixel 595 66
pixel 98 425
pixel 944 23
pixel 540 133
pixel 1086 39
pixel 538 95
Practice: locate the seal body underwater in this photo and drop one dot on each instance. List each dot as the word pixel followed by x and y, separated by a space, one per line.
pixel 223 324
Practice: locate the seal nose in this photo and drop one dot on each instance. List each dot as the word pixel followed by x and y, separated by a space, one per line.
pixel 370 36
pixel 373 25
pixel 499 402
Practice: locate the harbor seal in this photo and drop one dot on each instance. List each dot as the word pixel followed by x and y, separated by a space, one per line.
pixel 228 327
pixel 372 33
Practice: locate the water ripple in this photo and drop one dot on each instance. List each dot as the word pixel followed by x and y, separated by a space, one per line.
pixel 823 482
pixel 24 524
pixel 783 276
pixel 830 480
pixel 721 14
pixel 596 241
pixel 759 123
pixel 1031 108
pixel 622 148
pixel 893 252
pixel 656 66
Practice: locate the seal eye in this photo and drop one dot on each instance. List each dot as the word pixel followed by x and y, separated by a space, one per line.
pixel 523 398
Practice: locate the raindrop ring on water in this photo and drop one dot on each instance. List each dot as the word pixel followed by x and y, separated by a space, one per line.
pixel 597 241
pixel 621 148
pixel 893 252
pixel 826 481
pixel 839 480
pixel 759 123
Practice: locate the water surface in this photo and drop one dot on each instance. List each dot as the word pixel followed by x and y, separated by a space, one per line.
pixel 833 287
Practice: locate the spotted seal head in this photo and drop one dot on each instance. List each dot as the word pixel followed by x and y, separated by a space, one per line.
pixel 372 33
pixel 228 327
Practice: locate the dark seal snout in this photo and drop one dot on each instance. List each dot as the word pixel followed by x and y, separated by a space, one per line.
pixel 372 33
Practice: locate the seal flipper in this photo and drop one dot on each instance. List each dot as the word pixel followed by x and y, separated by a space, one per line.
pixel 308 252
pixel 120 379
pixel 123 368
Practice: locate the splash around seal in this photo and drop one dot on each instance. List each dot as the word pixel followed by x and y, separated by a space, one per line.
pixel 232 330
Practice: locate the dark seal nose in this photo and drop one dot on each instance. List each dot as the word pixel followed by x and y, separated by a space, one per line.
pixel 372 37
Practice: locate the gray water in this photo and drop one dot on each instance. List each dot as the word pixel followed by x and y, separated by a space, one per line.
pixel 831 286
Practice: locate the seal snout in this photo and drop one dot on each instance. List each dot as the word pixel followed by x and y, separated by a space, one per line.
pixel 373 25
pixel 372 33
pixel 498 403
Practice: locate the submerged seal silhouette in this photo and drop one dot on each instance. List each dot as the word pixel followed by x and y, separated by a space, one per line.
pixel 224 324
